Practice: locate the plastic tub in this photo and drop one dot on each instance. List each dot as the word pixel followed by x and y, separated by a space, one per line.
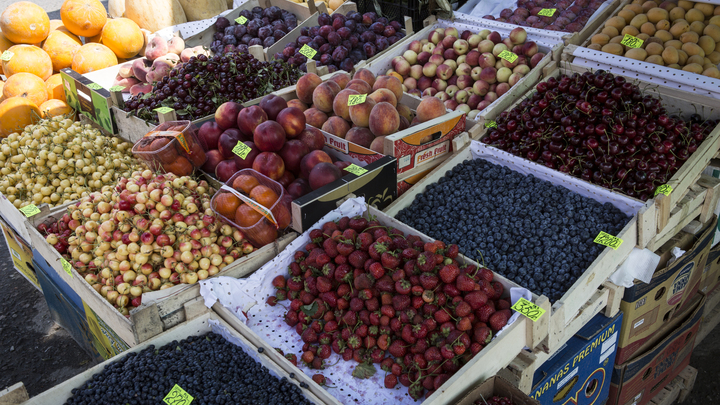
pixel 172 146
pixel 263 231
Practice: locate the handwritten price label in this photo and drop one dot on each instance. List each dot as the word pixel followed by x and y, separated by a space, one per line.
pixel 608 240
pixel 30 210
pixel 164 110
pixel 94 86
pixel 308 52
pixel 178 396
pixel 547 12
pixel 67 267
pixel 241 150
pixel 665 189
pixel 356 170
pixel 631 41
pixel 241 20
pixel 356 99
pixel 6 56
pixel 508 56
pixel 117 88
pixel 528 309
pixel 491 124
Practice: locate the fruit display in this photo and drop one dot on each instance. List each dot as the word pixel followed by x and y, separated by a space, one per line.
pixel 325 106
pixel 58 160
pixel 602 129
pixel 255 222
pixel 148 232
pixel 208 367
pixel 341 41
pixel 198 87
pixel 465 70
pixel 162 150
pixel 533 232
pixel 264 26
pixel 331 5
pixel 374 295
pixel 567 15
pixel 683 35
pixel 161 56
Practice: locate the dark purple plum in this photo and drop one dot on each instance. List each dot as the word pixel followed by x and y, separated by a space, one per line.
pixel 221 23
pixel 324 19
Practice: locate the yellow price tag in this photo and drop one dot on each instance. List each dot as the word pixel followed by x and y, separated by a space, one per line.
pixel 6 56
pixel 608 240
pixel 664 189
pixel 356 170
pixel 241 20
pixel 117 88
pixel 491 124
pixel 528 309
pixel 30 210
pixel 164 110
pixel 631 41
pixel 508 56
pixel 67 267
pixel 178 396
pixel 547 12
pixel 94 86
pixel 308 52
pixel 241 150
pixel 356 99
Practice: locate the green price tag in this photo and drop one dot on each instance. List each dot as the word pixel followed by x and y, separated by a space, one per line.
pixel 117 88
pixel 356 170
pixel 664 189
pixel 508 56
pixel 163 110
pixel 547 12
pixel 30 210
pixel 67 267
pixel 356 99
pixel 631 41
pixel 308 52
pixel 241 20
pixel 608 240
pixel 528 309
pixel 178 396
pixel 94 86
pixel 6 56
pixel 241 150
pixel 491 124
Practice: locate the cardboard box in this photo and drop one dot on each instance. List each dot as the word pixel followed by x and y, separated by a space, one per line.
pixel 639 380
pixel 579 374
pixel 648 306
pixel 711 274
pixel 21 254
pixel 405 182
pixel 496 386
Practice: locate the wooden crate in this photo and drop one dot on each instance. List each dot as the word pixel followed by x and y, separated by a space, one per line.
pixel 152 318
pixel 201 324
pixel 678 389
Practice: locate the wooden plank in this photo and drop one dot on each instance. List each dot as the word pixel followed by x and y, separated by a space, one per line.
pixel 14 394
pixel 688 377
pixel 711 199
pixel 615 295
pixel 711 316
pixel 539 330
pixel 683 214
pixel 647 223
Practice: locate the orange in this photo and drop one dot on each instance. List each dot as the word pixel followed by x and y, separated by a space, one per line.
pixel 245 183
pixel 246 216
pixel 264 196
pixel 226 204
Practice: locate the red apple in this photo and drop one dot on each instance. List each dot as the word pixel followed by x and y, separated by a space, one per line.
pixel 214 157
pixel 310 160
pixel 292 120
pixel 247 162
pixel 322 174
pixel 269 136
pixel 225 170
pixel 248 119
pixel 226 114
pixel 292 154
pixel 313 138
pixel 272 105
pixel 228 140
pixel 269 164
pixel 209 134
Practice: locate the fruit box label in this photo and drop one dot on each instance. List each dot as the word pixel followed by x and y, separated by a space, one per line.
pixel 409 150
pixel 432 153
pixel 83 98
pixel 354 151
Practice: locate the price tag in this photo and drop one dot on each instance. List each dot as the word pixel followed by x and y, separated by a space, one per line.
pixel 117 88
pixel 356 170
pixel 547 12
pixel 6 56
pixel 241 150
pixel 491 124
pixel 606 239
pixel 30 210
pixel 67 267
pixel 94 86
pixel 528 309
pixel 241 20
pixel 178 396
pixel 308 52
pixel 508 56
pixel 164 110
pixel 356 99
pixel 631 41
pixel 664 189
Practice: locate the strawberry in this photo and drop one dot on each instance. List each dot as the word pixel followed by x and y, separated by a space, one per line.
pixel 343 223
pixel 425 261
pixel 323 284
pixel 405 379
pixel 376 250
pixel 292 358
pixel 357 259
pixel 371 304
pixel 403 287
pixel 362 331
pixel 400 302
pixel 291 318
pixel 356 304
pixel 383 342
pixel 295 284
pixel 349 318
pixel 429 281
pixel 498 290
pixel 442 315
pixel 317 364
pixel 390 260
pixel 419 361
pixel 377 270
pixel 476 299
pixel 447 351
pixel 389 310
pixel 299 256
pixel 498 320
pixel 343 274
pixel 410 267
pixel 316 235
pixel 324 351
pixel 385 284
pixel 451 290
pixel 464 324
pixel 398 274
pixel 307 357
pixel 322 259
pixel 294 269
pixel 416 290
pixel 396 325
pixel 396 369
pixel 330 326
pixel 386 364
pixel 345 248
pixel 409 254
pixel 279 282
pixel 407 334
pixel 338 346
pixel 354 342
pixel 281 295
pixel 330 247
pixel 364 240
pixel 397 348
pixel 452 251
pixel 507 312
pixel 363 281
pixel 464 283
pixel 349 235
pixel 483 314
pixel 419 331
pixel 463 309
pixel 330 298
pixel 400 242
pixel 503 304
pixel 271 300
pixel 486 288
pixel 449 273
pixel 347 354
pixel 391 381
pixel 358 224
pixel 482 335
pixel 475 348
pixel 417 302
pixel 320 379
pixel 329 227
pixel 340 259
pixel 377 355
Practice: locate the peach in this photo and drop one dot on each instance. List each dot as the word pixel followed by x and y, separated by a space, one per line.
pixel 404 123
pixel 518 35
pixel 306 86
pixel 361 136
pixel 156 48
pixel 311 160
pixel 422 58
pixel 405 111
pixel 358 85
pixel 430 108
pixel 297 104
pixel 360 113
pixel 336 126
pixel 366 75
pixel 536 59
pixel 315 117
pixel 485 46
pixel 140 68
pixel 410 83
pixel 144 88
pixel 226 115
pixel 410 56
pixel 176 45
pixel 248 119
pixel 391 83
pixel 323 174
pixel 378 144
pixel 313 138
pixel 384 119
pixel 272 105
pixel 324 95
pixel 292 153
pixel 384 95
pixel 340 104
pixel 126 70
pixel 126 82
pixel 341 79
pixel 292 121
pixel 269 164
